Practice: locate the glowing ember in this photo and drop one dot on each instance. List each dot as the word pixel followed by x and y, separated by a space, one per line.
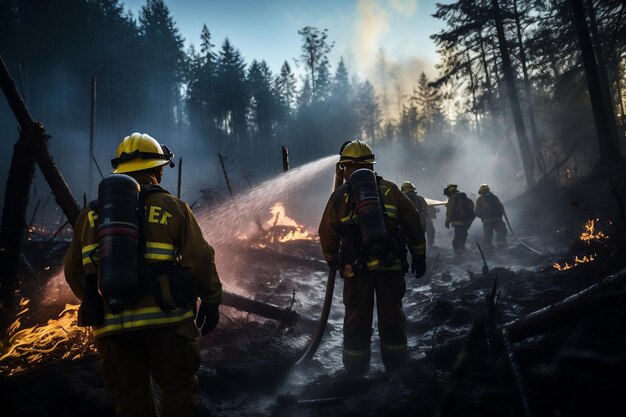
pixel 577 261
pixel 58 339
pixel 590 233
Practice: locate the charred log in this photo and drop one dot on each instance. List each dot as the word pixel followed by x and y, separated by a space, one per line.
pixel 259 308
pixel 64 197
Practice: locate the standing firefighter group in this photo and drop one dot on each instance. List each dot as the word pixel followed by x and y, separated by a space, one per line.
pixel 368 226
pixel 149 286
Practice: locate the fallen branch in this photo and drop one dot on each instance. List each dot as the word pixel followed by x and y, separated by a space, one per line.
pixel 571 308
pixel 259 308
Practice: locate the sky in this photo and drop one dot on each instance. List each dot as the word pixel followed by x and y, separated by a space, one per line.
pixel 268 30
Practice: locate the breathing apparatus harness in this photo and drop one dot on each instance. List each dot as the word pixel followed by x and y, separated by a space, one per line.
pixel 124 275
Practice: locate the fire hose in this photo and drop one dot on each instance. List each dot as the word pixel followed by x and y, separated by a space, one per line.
pixel 508 223
pixel 328 296
pixel 321 324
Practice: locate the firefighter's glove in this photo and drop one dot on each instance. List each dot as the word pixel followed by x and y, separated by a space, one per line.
pixel 447 224
pixel 207 318
pixel 418 266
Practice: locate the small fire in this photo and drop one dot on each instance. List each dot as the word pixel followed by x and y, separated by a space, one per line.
pixel 577 261
pixel 590 232
pixel 279 218
pixel 60 338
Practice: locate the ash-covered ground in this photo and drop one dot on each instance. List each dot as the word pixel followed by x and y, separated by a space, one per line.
pixel 571 366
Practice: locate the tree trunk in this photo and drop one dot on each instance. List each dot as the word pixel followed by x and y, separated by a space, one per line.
pixel 30 147
pixel 473 88
pixel 528 90
pixel 13 225
pixel 609 153
pixel 64 197
pixel 602 72
pixel 516 110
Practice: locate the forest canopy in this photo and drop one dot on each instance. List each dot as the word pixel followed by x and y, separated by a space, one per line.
pixel 511 79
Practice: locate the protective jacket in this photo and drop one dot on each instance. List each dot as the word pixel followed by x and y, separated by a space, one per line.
pixel 401 217
pixel 171 234
pixel 488 207
pixel 459 209
pixel 421 205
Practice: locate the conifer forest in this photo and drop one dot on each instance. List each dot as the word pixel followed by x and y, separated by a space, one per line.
pixel 519 309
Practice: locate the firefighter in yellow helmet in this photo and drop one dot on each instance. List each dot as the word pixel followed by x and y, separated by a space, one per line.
pixel 460 215
pixel 364 232
pixel 427 213
pixel 154 337
pixel 490 210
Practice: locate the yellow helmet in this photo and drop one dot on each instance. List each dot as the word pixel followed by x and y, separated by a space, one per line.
pixel 483 188
pixel 138 152
pixel 407 186
pixel 355 152
pixel 451 188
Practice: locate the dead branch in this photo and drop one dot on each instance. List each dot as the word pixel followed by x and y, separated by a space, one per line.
pixel 575 306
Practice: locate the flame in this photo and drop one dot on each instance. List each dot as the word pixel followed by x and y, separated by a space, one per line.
pixel 295 235
pixel 60 338
pixel 577 261
pixel 279 218
pixel 590 233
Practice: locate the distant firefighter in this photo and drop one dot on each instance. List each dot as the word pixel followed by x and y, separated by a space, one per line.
pixel 426 213
pixel 489 209
pixel 459 214
pixel 138 263
pixel 364 232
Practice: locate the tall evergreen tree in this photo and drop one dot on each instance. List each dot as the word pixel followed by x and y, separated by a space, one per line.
pixel 262 102
pixel 286 92
pixel 201 86
pixel 368 111
pixel 315 50
pixel 231 92
pixel 163 60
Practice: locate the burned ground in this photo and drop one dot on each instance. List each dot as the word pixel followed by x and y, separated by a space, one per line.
pixel 574 367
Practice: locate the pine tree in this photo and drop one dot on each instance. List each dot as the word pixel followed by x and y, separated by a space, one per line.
pixel 163 61
pixel 315 50
pixel 368 111
pixel 231 92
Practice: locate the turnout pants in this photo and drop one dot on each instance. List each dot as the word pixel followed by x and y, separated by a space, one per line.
pixel 386 288
pixel 460 237
pixel 430 233
pixel 169 354
pixel 497 225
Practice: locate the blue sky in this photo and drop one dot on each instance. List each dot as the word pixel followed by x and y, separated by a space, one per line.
pixel 267 29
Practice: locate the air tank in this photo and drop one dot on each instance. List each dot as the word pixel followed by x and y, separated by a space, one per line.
pixel 118 241
pixel 369 208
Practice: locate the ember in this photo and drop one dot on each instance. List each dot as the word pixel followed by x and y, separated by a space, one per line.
pixel 577 260
pixel 590 233
pixel 60 338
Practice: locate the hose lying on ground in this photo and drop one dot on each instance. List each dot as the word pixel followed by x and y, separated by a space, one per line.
pixel 508 223
pixel 321 324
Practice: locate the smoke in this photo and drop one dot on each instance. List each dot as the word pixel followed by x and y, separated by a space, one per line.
pixel 406 7
pixel 391 65
pixel 371 25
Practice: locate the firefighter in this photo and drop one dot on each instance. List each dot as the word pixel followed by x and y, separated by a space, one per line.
pixel 371 271
pixel 460 215
pixel 427 213
pixel 154 338
pixel 490 210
